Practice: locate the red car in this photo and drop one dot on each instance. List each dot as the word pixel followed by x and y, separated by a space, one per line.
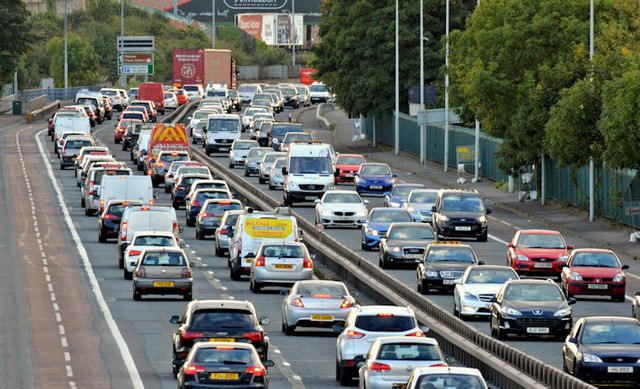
pixel 594 272
pixel 182 96
pixel 347 165
pixel 538 252
pixel 121 128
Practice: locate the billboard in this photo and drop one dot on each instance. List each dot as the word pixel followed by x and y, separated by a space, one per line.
pixel 188 66
pixel 227 11
pixel 273 29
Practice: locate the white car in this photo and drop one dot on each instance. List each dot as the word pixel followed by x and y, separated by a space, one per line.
pixel 197 122
pixel 170 100
pixel 239 151
pixel 267 164
pixel 194 91
pixel 419 204
pixel 341 208
pixel 319 93
pixel 391 359
pixel 143 240
pixel 247 116
pixel 478 285
pixel 446 377
pixel 364 325
pixel 114 95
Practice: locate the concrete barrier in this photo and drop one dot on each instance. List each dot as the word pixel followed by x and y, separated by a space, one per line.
pixel 6 103
pixel 322 121
pixel 44 112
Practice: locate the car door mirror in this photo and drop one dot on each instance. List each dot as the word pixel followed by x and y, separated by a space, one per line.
pixel 571 339
pixel 570 247
pixel 175 320
pixel 394 175
pixel 637 293
pixel 359 361
pixel 180 229
pixel 264 320
pixel 284 292
pixel 487 211
pixel 481 262
pixel 268 363
pixel 571 301
pixel 337 327
pixel 434 209
pixel 493 299
pixel 425 329
pixel 317 201
pixel 155 194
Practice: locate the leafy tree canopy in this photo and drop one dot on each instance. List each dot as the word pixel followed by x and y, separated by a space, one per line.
pixel 15 37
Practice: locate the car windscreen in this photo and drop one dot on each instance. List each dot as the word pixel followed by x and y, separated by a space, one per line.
pixel 318 88
pixel 224 125
pixel 224 356
pixel 351 198
pixel 533 292
pixel 350 161
pixel 221 319
pixel 279 163
pixel 457 203
pixel 310 165
pixel 595 259
pixel 219 208
pixel 279 130
pixel 296 136
pixel 202 196
pixel 257 153
pixel 270 157
pixel 163 259
pixel 385 323
pixel 132 115
pixel 283 251
pixel 449 380
pixel 450 254
pixel 244 145
pixel 199 115
pixel 248 88
pixel 384 216
pixel 483 276
pixel 409 351
pixel 153 241
pixel 411 233
pixel 320 289
pixel 423 197
pixel 171 157
pixel 375 170
pixel 541 241
pixel 611 333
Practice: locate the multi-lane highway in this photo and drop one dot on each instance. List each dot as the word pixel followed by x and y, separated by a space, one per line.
pixel 72 320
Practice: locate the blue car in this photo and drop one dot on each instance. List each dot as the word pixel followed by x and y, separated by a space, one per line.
pixel 378 223
pixel 399 194
pixel 374 178
pixel 194 205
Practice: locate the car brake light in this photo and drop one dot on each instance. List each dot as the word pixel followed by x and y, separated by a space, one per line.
pixel 321 296
pixel 175 228
pixel 379 367
pixel 142 272
pixel 307 263
pixel 192 369
pixel 194 202
pixel 439 365
pixel 385 314
pixel 352 334
pixel 181 188
pixel 191 335
pixel 257 371
pixel 256 336
pixel 417 333
pixel 186 273
pixel 159 164
pixel 123 228
pixel 109 216
pixel 223 231
pixel 101 205
pixel 134 252
pixel 149 172
pixel 259 261
pixel 297 303
pixel 346 304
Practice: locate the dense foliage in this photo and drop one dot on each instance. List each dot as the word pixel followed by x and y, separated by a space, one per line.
pixel 15 36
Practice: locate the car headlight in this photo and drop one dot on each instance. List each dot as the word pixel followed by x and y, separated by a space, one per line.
pixel 411 209
pixel 470 296
pixel 443 218
pixel 562 312
pixel 395 249
pixel 431 274
pixel 372 232
pixel 361 213
pixel 511 312
pixel 293 186
pixel 482 219
pixel 591 358
pixel 618 277
pixel 563 258
pixel 522 257
pixel 575 276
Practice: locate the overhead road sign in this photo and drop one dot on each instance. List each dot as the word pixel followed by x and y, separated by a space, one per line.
pixel 136 43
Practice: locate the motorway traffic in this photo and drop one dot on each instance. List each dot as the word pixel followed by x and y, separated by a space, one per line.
pixel 135 339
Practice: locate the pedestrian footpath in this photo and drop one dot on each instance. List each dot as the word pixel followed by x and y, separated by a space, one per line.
pixel 569 221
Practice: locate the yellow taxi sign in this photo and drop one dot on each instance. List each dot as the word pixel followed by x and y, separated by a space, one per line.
pixel 447 242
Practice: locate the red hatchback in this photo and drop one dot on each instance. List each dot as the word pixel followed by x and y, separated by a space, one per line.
pixel 121 127
pixel 538 252
pixel 347 165
pixel 594 272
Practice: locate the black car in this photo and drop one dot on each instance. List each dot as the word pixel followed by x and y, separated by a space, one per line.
pixel 130 136
pixel 603 350
pixel 443 264
pixel 182 187
pixel 109 219
pixel 460 213
pixel 531 308
pixel 218 321
pixel 279 130
pixel 405 244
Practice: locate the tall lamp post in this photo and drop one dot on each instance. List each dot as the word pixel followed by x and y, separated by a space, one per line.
pixel 397 110
pixel 213 24
pixel 423 135
pixel 66 53
pixel 592 202
pixel 446 91
pixel 293 32
pixel 123 77
pixel 476 161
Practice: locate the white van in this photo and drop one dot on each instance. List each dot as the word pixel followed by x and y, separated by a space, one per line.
pixel 308 172
pixel 145 218
pixel 221 131
pixel 126 188
pixel 252 229
pixel 91 190
pixel 79 125
pixel 94 99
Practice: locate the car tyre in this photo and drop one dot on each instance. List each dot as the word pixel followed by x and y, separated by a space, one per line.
pixel 127 274
pixel 136 295
pixel 422 288
pixel 199 235
pixel 255 286
pixel 272 187
pixel 167 189
pixel 483 237
pixel 188 296
pixel 231 165
pixel 246 173
pixel 345 379
pixel 121 262
pixel 234 274
pixel 82 203
pixel 289 330
pixel 381 262
pixel 262 180
pixel 88 212
pixel 619 299
pixel 217 249
pixel 101 237
pixel 566 291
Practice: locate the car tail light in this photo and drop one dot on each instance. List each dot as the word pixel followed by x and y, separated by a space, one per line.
pixel 260 261
pixel 256 336
pixel 224 231
pixel 149 172
pixel 297 303
pixel 186 273
pixel 142 272
pixel 352 334
pixel 379 367
pixel 160 164
pixel 307 263
pixel 439 365
pixel 191 335
pixel 321 296
pixel 257 371
pixel 181 187
pixel 91 187
pixel 176 230
pixel 192 369
pixel 417 333
pixel 224 348
pixel 195 202
pixel 123 228
pixel 346 304
pixel 101 205
pixel 134 252
pixel 109 216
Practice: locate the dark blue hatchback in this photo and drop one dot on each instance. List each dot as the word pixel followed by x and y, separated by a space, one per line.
pixel 375 178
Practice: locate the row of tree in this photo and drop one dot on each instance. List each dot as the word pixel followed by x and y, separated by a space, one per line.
pixel 522 67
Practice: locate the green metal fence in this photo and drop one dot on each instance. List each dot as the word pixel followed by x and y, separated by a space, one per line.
pixel 562 184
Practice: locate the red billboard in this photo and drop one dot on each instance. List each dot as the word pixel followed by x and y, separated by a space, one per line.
pixel 251 24
pixel 188 66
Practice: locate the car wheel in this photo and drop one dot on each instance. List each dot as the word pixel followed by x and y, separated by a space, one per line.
pixel 337 371
pixel 261 180
pixel 187 296
pixel 271 187
pixel 88 212
pixel 230 165
pixel 199 235
pixel 289 330
pixel 127 274
pixel 82 203
pixel 456 311
pixel 62 167
pixel 381 262
pixel 207 152
pixel 246 173
pixel 136 295
pixel 121 262
pixel 175 205
pixel 566 291
pixel 101 238
pixel 234 275
pixel 483 237
pixel 255 286
pixel 424 289
pixel 167 189
pixel 500 334
pixel 619 298
pixel 493 330
pixel 218 251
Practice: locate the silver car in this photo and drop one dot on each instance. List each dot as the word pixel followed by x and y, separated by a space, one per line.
pixel 276 179
pixel 266 164
pixel 391 359
pixel 163 271
pixel 239 151
pixel 280 264
pixel 254 158
pixel 315 304
pixel 224 231
pixel 419 204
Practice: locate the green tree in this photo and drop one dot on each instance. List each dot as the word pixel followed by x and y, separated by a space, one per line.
pixel 15 36
pixel 511 63
pixel 82 58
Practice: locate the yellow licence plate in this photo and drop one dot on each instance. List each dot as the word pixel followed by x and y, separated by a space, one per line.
pixel 222 340
pixel 161 284
pixel 322 317
pixel 249 260
pixel 224 376
pixel 282 266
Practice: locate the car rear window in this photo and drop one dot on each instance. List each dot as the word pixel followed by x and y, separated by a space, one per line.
pixel 312 289
pixel 385 323
pixel 423 197
pixel 409 351
pixel 153 241
pixel 77 144
pixel 219 208
pixel 280 130
pixel 164 259
pixel 203 196
pixel 228 356
pixel 219 319
pixel 350 161
pixel 170 157
pixel 283 251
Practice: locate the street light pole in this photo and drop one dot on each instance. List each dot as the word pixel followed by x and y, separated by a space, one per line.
pixel 293 33
pixel 446 92
pixel 123 77
pixel 66 53
pixel 213 23
pixel 592 183
pixel 423 134
pixel 476 161
pixel 397 110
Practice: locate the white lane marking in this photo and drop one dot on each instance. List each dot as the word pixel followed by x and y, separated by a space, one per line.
pixel 492 237
pixel 69 371
pixel 129 363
